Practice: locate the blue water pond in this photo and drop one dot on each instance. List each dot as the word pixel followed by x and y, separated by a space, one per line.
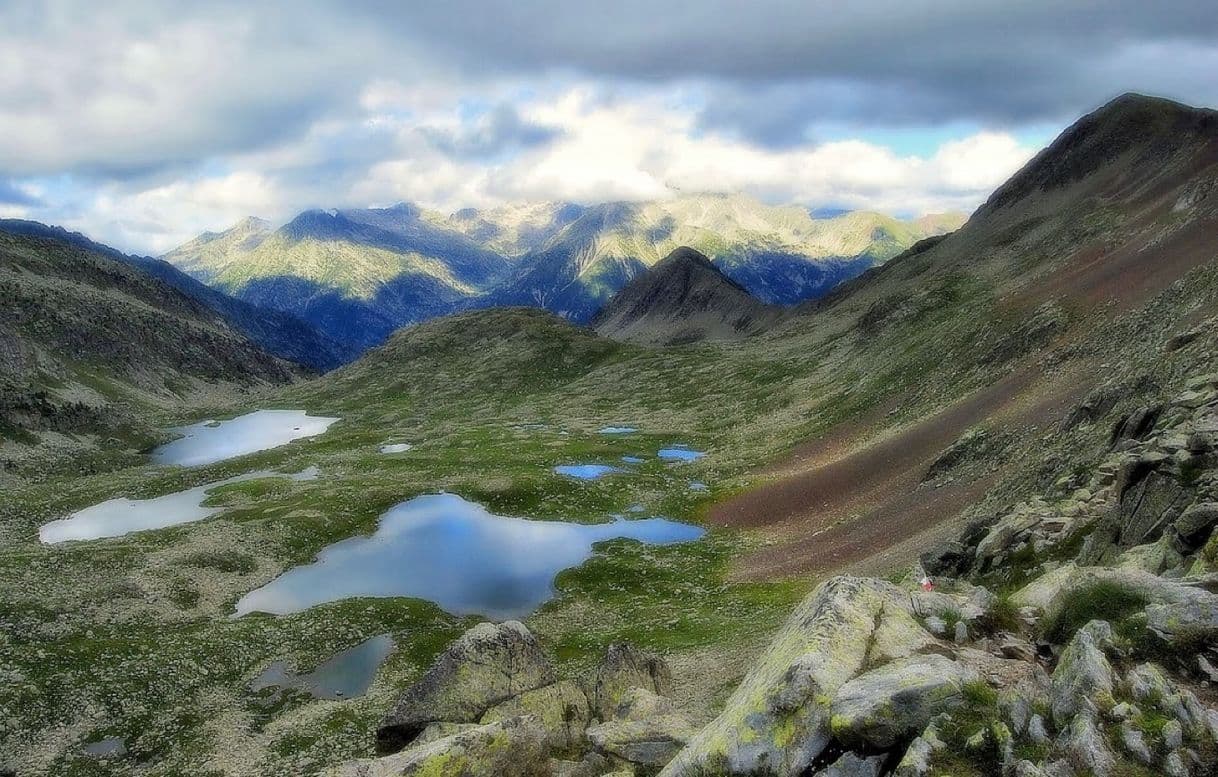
pixel 210 441
pixel 455 553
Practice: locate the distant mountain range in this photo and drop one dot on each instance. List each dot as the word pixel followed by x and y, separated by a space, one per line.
pixel 359 274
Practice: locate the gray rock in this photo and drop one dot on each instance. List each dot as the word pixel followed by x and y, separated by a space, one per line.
pixel 646 730
pixel 851 765
pixel 936 625
pixel 916 761
pixel 1173 734
pixel 1036 729
pixel 961 633
pixel 487 665
pixel 778 717
pixel 509 748
pixel 1135 744
pixel 888 704
pixel 624 667
pixel 1195 525
pixel 1085 746
pixel 561 709
pixel 1083 675
pixel 1173 766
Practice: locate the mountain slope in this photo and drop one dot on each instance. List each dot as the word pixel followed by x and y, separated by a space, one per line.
pixel 85 339
pixel 780 254
pixel 359 274
pixel 283 335
pixel 355 274
pixel 683 298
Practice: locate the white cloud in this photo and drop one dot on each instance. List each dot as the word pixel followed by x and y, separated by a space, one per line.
pixel 640 147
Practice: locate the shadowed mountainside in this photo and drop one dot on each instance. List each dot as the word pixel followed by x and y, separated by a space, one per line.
pixel 684 298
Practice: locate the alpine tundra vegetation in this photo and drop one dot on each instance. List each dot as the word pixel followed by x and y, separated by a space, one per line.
pixel 600 461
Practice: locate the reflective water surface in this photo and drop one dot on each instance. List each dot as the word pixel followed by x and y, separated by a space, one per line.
pixel 210 441
pixel 585 471
pixel 116 517
pixel 342 676
pixel 455 553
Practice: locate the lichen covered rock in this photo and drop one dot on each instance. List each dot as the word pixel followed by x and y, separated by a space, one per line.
pixel 891 703
pixel 508 748
pixel 487 665
pixel 778 718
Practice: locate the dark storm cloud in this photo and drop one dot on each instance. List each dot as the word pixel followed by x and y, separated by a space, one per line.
pixel 499 131
pixel 11 194
pixel 880 60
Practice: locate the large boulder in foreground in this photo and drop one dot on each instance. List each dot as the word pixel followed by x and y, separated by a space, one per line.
pixel 880 708
pixel 777 720
pixel 561 709
pixel 510 748
pixel 623 668
pixel 646 730
pixel 487 665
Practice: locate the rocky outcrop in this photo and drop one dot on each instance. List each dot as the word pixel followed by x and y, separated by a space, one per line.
pixel 626 667
pixel 891 704
pixel 508 748
pixel 646 730
pixel 488 665
pixel 778 719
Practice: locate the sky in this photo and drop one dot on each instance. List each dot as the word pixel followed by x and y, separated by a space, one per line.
pixel 143 123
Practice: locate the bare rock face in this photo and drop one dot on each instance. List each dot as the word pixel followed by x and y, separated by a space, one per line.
pixel 489 664
pixel 1083 677
pixel 509 748
pixel 777 721
pixel 561 709
pixel 626 667
pixel 646 730
pixel 880 708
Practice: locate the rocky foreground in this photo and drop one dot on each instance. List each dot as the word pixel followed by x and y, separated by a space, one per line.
pixel 1076 634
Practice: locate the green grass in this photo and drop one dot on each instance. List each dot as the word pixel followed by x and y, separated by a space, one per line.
pixel 1100 601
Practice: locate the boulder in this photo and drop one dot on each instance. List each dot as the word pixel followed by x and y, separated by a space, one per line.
pixel 778 717
pixel 487 665
pixel 1149 502
pixel 851 765
pixel 1083 676
pixel 508 748
pixel 1086 747
pixel 646 730
pixel 916 761
pixel 887 705
pixel 1195 525
pixel 561 709
pixel 624 667
pixel 1135 744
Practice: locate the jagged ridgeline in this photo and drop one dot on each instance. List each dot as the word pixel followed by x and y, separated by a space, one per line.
pixel 1024 410
pixel 359 274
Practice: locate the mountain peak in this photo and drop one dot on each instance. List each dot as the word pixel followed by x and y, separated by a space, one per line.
pixel 1147 130
pixel 683 298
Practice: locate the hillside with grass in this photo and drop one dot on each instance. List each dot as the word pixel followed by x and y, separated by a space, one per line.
pixel 1023 410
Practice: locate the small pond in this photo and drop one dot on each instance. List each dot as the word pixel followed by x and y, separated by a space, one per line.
pixel 618 429
pixel 680 453
pixel 585 471
pixel 342 676
pixel 116 517
pixel 455 553
pixel 210 441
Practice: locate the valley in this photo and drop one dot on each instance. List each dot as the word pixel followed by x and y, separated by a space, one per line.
pixel 954 385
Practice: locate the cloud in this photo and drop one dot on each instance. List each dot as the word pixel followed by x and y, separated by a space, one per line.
pixel 13 195
pixel 143 122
